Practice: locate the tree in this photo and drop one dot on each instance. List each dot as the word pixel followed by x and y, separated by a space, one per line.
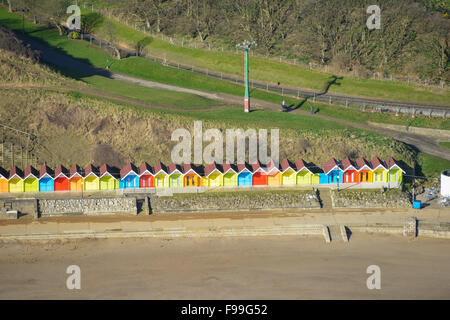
pixel 111 36
pixel 91 22
pixel 141 44
pixel 52 12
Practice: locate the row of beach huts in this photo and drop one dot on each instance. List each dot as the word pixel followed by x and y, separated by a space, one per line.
pixel 188 175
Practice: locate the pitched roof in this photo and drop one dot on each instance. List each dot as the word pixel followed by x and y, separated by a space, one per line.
pixel 330 165
pixel 244 166
pixel 15 171
pixel 228 166
pixel 104 169
pixel 61 170
pixel 211 167
pixel 30 170
pixel 4 173
pixel 90 169
pixel 391 162
pixel 159 167
pixel 45 170
pixel 347 163
pixel 300 164
pixel 76 169
pixel 174 167
pixel 361 162
pixel 286 164
pixel 189 166
pixel 130 167
pixel 376 162
pixel 256 166
pixel 145 167
pixel 270 166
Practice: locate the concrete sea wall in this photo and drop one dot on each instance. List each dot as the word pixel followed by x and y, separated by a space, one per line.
pixel 369 199
pixel 88 207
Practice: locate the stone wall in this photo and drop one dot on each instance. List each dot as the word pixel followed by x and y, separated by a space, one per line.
pixel 370 199
pixel 234 201
pixel 101 206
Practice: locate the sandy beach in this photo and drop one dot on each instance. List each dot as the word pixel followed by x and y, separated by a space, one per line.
pixel 288 267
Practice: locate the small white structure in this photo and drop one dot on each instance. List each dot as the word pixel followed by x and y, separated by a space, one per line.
pixel 445 183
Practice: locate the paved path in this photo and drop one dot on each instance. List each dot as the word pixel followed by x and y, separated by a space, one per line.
pixel 424 144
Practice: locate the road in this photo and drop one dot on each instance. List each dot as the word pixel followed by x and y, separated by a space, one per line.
pixel 423 144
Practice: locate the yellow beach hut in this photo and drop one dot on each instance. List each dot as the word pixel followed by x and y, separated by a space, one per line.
pixel 213 175
pixel 365 172
pixel 76 178
pixel 380 172
pixel 3 180
pixel 230 175
pixel 91 178
pixel 31 180
pixel 175 176
pixel 15 181
pixel 161 176
pixel 274 174
pixel 289 174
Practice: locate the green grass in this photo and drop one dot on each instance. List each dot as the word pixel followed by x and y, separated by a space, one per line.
pixel 445 144
pixel 430 165
pixel 154 96
pixel 274 71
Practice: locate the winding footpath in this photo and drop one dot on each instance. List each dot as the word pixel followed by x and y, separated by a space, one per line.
pixel 424 144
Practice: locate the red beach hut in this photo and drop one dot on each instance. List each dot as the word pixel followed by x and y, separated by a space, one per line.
pixel 62 182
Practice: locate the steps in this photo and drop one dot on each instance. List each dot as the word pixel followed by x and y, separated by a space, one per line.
pixel 325 199
pixel 338 233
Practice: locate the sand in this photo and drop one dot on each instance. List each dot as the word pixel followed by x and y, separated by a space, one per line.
pixel 286 267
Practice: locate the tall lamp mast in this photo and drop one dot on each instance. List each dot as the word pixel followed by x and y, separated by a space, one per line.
pixel 245 46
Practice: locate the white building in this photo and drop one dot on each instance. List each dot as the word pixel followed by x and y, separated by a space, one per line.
pixel 445 183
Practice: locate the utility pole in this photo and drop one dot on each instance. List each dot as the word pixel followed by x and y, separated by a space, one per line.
pixel 246 45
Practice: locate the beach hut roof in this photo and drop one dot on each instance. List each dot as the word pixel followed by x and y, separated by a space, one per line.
pixel 106 169
pixel 361 163
pixel 348 164
pixel 286 165
pixel 391 163
pixel 331 165
pixel 189 167
pixel 244 166
pixel 31 171
pixel 61 171
pixel 90 169
pixel 160 167
pixel 76 170
pixel 45 170
pixel 3 173
pixel 210 168
pixel 173 167
pixel 15 172
pixel 376 162
pixel 300 165
pixel 229 167
pixel 271 167
pixel 130 168
pixel 256 166
pixel 145 168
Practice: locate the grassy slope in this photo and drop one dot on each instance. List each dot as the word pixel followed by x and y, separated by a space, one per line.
pixel 146 69
pixel 445 144
pixel 287 74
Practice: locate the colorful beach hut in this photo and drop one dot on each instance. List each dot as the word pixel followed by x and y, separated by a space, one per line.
pixel 108 178
pixel 395 172
pixel 364 170
pixel 259 177
pixel 304 175
pixel 3 180
pixel 46 179
pixel 15 180
pixel 175 175
pixel 161 176
pixel 379 170
pixel 289 174
pixel 62 182
pixel 31 180
pixel 146 178
pixel 213 175
pixel 192 175
pixel 350 171
pixel 91 178
pixel 332 172
pixel 76 178
pixel 230 175
pixel 273 174
pixel 245 175
pixel 129 177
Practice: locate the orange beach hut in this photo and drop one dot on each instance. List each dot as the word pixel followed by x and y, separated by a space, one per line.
pixel 3 180
pixel 76 178
pixel 62 182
